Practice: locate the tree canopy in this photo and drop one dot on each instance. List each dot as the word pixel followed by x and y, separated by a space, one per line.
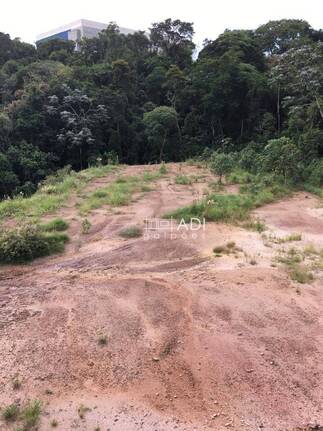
pixel 148 97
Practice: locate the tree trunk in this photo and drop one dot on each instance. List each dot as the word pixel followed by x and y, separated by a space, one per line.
pixel 161 153
pixel 278 109
pixel 319 106
pixel 81 162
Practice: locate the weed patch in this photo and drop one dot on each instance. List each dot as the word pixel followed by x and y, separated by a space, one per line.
pixel 56 225
pixel 31 414
pixel 183 180
pixel 10 413
pixel 131 232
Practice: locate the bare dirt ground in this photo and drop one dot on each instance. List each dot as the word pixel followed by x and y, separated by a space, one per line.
pixel 193 342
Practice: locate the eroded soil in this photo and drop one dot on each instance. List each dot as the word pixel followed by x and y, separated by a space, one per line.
pixel 193 341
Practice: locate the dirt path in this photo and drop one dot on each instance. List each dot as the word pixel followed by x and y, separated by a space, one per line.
pixel 193 342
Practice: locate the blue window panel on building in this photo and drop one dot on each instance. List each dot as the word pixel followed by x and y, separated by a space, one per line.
pixel 63 35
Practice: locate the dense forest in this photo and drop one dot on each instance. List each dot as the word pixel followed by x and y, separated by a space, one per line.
pixel 142 99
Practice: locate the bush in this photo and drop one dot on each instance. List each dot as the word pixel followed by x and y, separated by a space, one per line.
pixel 313 174
pixel 301 274
pixel 31 414
pixel 86 226
pixel 131 232
pixel 10 413
pixel 221 164
pixel 183 180
pixel 163 169
pixel 232 208
pixel 26 243
pixel 56 225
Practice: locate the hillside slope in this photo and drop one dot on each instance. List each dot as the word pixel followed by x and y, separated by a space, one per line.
pixel 157 333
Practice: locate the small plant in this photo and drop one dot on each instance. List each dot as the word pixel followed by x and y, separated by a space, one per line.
pixel 86 226
pixel 54 423
pixel 310 250
pixel 82 410
pixel 228 248
pixel 289 238
pixel 16 383
pixel 131 232
pixel 301 274
pixel 219 249
pixel 102 340
pixel 256 225
pixel 183 180
pixel 31 414
pixel 163 169
pixel 150 176
pixel 10 413
pixel 56 225
pixel 231 245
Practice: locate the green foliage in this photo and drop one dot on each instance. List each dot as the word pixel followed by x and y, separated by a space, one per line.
pixel 52 192
pixel 10 413
pixel 137 99
pixel 221 164
pixel 230 207
pixel 86 226
pixel 31 414
pixel 277 37
pixel 26 243
pixel 131 232
pixel 58 225
pixel 183 179
pixel 117 193
pixel 229 248
pixel 163 169
pixel 160 123
pixel 281 156
pixel 301 274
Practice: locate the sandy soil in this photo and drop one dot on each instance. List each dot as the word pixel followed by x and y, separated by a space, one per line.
pixel 194 342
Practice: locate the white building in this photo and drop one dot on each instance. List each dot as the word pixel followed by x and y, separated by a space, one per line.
pixel 76 30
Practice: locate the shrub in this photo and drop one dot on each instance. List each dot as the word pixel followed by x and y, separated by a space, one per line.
pixel 86 226
pixel 183 180
pixel 228 248
pixel 221 164
pixel 58 225
pixel 301 274
pixel 163 169
pixel 256 225
pixel 31 414
pixel 313 173
pixel 102 339
pixel 10 413
pixel 282 157
pixel 26 243
pixel 16 383
pixel 131 232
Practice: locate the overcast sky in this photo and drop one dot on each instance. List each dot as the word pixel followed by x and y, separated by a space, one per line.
pixel 27 18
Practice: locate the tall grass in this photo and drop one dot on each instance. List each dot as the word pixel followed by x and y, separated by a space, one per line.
pixel 52 193
pixel 119 192
pixel 115 194
pixel 231 208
